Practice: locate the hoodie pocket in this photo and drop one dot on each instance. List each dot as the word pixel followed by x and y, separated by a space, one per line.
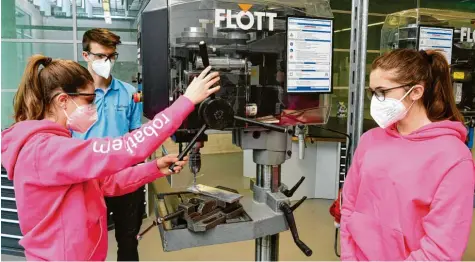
pixel 375 240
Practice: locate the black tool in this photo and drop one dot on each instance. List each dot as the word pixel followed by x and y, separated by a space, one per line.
pixel 188 147
pixel 290 193
pixel 289 217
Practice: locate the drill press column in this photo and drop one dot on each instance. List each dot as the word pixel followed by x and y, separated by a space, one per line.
pixel 269 152
pixel 267 248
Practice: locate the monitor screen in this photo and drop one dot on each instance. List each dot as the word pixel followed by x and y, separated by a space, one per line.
pixel 440 38
pixel 309 55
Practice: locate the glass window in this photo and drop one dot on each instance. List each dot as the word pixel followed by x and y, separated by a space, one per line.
pixel 14 59
pixel 37 19
pixel 123 17
pixel 7 109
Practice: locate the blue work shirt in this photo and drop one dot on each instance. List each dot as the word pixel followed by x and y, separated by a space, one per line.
pixel 117 113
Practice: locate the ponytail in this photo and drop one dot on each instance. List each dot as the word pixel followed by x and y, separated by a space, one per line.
pixel 429 68
pixel 29 99
pixel 43 77
pixel 439 99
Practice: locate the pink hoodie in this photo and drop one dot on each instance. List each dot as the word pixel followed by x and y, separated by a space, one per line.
pixel 409 197
pixel 60 182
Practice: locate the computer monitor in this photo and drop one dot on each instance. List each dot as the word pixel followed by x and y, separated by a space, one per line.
pixel 309 55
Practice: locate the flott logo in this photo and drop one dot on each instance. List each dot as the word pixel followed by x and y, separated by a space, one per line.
pixel 469 36
pixel 222 15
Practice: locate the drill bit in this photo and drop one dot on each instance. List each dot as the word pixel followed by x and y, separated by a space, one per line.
pixel 195 161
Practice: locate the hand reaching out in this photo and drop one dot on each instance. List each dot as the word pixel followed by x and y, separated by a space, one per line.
pixel 164 162
pixel 200 87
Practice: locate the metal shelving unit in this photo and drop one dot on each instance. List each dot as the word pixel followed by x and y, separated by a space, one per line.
pixel 11 233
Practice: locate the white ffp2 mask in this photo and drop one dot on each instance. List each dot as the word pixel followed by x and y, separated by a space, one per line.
pixel 102 67
pixel 387 112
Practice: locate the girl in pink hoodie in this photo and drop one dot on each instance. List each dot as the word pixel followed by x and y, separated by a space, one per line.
pixel 409 192
pixel 60 182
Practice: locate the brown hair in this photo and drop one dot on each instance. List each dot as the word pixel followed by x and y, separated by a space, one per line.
pixel 101 36
pixel 38 86
pixel 430 69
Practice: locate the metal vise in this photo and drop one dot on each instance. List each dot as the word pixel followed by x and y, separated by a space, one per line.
pixel 202 213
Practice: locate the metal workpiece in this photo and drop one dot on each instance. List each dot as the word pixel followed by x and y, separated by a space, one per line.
pixel 224 195
pixel 264 222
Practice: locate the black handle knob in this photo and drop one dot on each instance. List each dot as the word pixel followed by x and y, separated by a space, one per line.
pixel 296 205
pixel 290 193
pixel 289 217
pixel 188 147
pixel 205 58
pixel 204 53
pixel 305 249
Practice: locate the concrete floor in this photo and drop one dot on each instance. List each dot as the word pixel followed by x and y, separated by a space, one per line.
pixel 313 221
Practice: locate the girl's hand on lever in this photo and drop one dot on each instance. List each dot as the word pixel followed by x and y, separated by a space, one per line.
pixel 164 162
pixel 199 89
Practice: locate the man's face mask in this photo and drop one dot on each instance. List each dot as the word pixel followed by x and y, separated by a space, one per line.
pixel 82 118
pixel 102 67
pixel 103 64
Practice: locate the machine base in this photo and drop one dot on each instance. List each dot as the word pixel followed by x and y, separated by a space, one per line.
pixel 259 221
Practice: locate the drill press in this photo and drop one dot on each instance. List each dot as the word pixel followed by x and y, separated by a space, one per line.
pixel 247 62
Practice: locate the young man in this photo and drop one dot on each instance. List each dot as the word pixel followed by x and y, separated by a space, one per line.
pixel 117 114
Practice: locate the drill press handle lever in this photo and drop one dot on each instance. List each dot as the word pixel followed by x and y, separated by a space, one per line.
pixel 265 125
pixel 158 221
pixel 289 217
pixel 188 147
pixel 290 193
